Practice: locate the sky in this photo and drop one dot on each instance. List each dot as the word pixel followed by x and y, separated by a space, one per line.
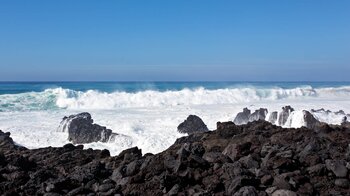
pixel 174 40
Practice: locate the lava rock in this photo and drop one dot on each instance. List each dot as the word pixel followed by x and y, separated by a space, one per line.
pixel 273 117
pixel 259 114
pixel 81 129
pixel 310 121
pixel 192 125
pixel 343 183
pixel 337 167
pixel 282 192
pixel 283 116
pixel 242 117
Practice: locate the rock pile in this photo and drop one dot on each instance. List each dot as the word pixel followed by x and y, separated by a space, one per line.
pixel 253 159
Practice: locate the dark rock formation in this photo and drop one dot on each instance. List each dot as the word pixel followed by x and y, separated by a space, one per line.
pixel 310 121
pixel 246 116
pixel 259 114
pixel 253 159
pixel 192 125
pixel 242 117
pixel 283 116
pixel 81 129
pixel 273 117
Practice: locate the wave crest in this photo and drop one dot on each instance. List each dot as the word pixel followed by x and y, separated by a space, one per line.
pixel 69 99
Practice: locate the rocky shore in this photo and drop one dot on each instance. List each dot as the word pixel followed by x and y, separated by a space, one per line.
pixel 257 158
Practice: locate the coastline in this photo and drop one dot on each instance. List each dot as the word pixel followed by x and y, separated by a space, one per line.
pixel 257 158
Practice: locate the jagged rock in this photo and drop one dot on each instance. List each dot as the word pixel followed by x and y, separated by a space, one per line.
pixel 192 125
pixel 310 121
pixel 246 116
pixel 340 112
pixel 283 116
pixel 259 114
pixel 236 151
pixel 242 117
pixel 249 162
pixel 253 159
pixel 81 129
pixel 273 117
pixel 322 110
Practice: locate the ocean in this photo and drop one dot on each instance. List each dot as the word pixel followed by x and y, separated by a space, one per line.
pixel 146 114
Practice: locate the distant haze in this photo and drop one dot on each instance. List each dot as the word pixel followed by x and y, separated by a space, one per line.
pixel 177 40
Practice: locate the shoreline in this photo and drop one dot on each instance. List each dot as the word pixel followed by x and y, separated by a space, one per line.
pixel 259 158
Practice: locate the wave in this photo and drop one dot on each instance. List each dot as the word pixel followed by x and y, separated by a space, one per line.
pixel 60 98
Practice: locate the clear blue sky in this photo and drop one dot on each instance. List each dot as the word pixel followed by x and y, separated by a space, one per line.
pixel 165 40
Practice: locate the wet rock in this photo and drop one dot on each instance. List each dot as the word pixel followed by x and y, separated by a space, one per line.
pixel 283 116
pixel 259 114
pixel 192 125
pixel 246 116
pixel 242 117
pixel 310 121
pixel 273 117
pixel 256 158
pixel 81 129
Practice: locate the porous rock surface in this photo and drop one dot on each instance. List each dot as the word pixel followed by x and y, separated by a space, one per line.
pixel 253 159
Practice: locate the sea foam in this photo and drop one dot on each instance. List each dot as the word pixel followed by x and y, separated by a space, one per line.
pixel 92 99
pixel 148 118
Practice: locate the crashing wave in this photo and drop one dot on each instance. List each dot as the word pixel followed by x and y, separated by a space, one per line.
pixel 92 99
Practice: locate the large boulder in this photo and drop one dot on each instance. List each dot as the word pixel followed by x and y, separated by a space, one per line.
pixel 242 117
pixel 283 116
pixel 192 125
pixel 81 129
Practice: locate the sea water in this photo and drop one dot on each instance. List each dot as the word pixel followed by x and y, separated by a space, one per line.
pixel 146 114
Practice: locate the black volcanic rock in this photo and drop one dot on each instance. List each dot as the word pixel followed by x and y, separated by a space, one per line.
pixel 81 129
pixel 192 125
pixel 246 116
pixel 283 116
pixel 273 117
pixel 259 114
pixel 310 121
pixel 242 117
pixel 258 158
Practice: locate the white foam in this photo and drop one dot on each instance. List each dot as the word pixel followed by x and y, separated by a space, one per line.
pixel 149 119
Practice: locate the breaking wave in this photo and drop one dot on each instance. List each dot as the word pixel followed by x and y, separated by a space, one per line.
pixel 59 98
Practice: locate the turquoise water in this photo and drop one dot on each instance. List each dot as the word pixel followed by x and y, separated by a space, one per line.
pixel 22 87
